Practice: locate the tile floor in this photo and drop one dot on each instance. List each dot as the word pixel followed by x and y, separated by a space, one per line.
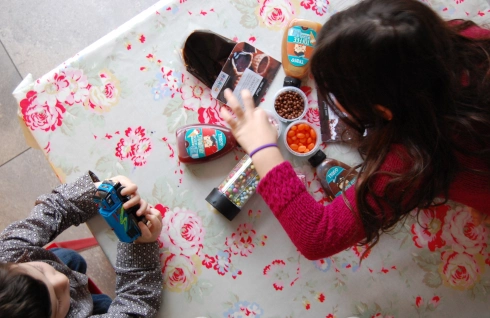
pixel 35 37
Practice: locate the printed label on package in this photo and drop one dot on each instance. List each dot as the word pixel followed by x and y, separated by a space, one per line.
pixel 334 177
pixel 250 81
pixel 246 68
pixel 300 45
pixel 219 83
pixel 204 142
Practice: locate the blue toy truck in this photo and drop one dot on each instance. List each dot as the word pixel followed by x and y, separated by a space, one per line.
pixel 123 222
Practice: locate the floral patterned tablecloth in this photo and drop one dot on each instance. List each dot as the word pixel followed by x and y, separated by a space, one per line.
pixel 114 108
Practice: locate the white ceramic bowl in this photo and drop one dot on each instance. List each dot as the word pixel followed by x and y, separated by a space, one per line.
pixel 291 89
pixel 317 141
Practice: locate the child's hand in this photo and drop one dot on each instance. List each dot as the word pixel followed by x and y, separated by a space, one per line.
pixel 153 228
pixel 251 127
pixel 131 190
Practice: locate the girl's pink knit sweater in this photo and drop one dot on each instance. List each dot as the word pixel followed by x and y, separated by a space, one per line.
pixel 320 231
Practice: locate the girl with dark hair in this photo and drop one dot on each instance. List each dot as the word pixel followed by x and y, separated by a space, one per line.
pixel 420 89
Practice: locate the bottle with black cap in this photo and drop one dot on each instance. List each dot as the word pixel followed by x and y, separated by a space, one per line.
pixel 232 194
pixel 298 43
pixel 335 176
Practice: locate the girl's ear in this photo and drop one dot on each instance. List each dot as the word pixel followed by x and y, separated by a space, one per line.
pixel 383 112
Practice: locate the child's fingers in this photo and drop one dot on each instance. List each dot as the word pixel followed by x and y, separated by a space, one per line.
pixel 248 101
pixel 232 101
pixel 227 117
pixel 145 230
pixel 143 208
pixel 135 199
pixel 129 188
pixel 154 218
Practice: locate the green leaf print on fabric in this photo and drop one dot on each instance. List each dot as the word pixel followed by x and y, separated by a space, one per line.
pixel 167 192
pixel 432 279
pixel 249 21
pixel 109 166
pixel 247 8
pixel 200 290
pixel 73 116
pixel 427 260
pixel 481 290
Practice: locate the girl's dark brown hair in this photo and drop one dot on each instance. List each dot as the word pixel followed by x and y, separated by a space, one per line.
pixel 400 54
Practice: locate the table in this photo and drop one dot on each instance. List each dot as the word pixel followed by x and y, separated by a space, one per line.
pixel 114 108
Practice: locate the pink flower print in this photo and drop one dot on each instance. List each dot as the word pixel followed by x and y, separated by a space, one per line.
pixel 180 272
pixel 244 309
pixel 41 116
pixel 208 261
pixel 313 185
pixel 241 242
pixel 169 83
pixel 236 273
pixel 435 301
pixel 461 271
pixel 142 149
pixel 359 251
pixel 276 271
pixel 306 304
pixel 312 116
pixel 275 14
pixel 210 115
pixel 427 232
pixel 323 264
pixel 319 6
pixel 135 146
pixel 78 85
pixel 52 89
pixel 419 301
pixel 162 209
pixel 320 297
pixel 102 98
pixel 124 149
pixel 196 95
pixel 183 232
pixel 222 265
pixel 462 233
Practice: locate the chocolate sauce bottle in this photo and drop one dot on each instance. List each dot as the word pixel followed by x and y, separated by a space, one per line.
pixel 333 174
pixel 203 142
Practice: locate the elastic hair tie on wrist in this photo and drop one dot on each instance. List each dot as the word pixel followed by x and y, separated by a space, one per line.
pixel 253 152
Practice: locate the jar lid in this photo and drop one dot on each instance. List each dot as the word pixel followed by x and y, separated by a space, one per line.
pixel 291 81
pixel 221 203
pixel 317 158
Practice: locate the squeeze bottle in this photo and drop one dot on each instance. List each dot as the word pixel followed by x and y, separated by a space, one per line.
pixel 298 43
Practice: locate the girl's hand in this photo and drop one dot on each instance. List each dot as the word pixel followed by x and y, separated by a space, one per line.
pixel 251 127
pixel 153 227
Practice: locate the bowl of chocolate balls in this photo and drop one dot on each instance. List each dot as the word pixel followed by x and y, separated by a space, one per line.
pixel 290 104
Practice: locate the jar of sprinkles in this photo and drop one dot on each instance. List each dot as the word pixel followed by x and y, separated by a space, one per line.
pixel 232 194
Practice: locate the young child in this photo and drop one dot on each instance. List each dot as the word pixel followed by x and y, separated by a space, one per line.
pixel 35 282
pixel 420 87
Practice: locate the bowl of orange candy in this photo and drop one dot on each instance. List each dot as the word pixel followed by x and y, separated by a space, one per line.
pixel 301 138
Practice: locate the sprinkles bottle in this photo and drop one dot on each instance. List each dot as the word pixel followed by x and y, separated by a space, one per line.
pixel 236 189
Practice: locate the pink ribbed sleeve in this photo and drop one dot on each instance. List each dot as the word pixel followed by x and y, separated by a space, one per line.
pixel 317 231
